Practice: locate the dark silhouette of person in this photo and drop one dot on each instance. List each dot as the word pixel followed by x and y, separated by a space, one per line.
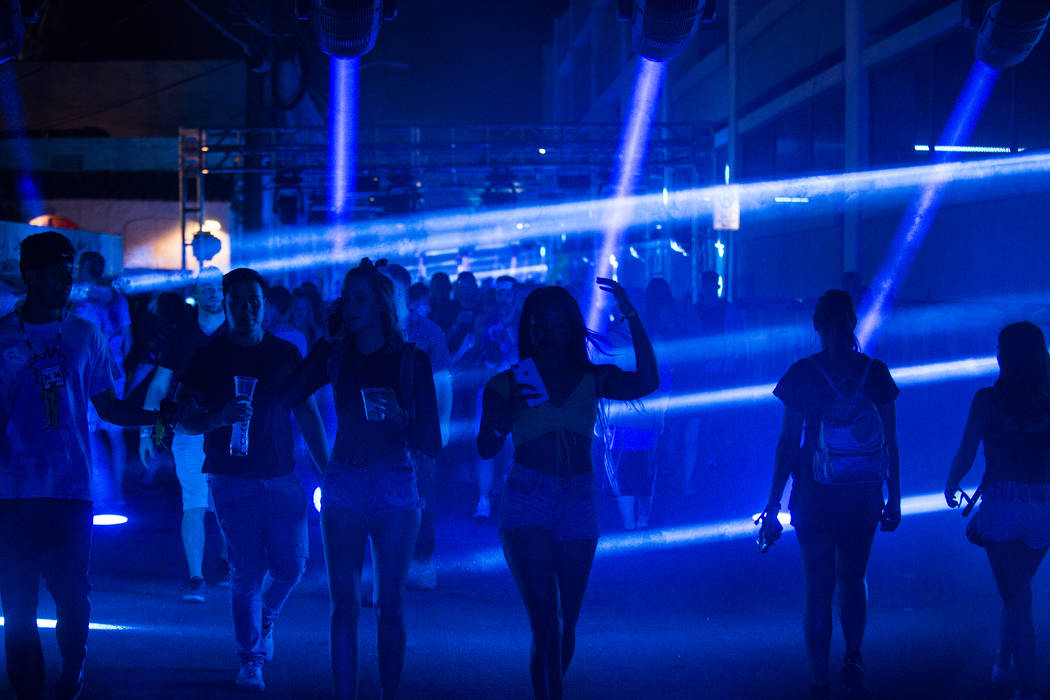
pixel 835 522
pixel 53 364
pixel 549 509
pixel 1012 419
pixel 387 409
pixel 259 501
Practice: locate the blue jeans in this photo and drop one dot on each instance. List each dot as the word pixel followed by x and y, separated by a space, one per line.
pixel 49 538
pixel 264 522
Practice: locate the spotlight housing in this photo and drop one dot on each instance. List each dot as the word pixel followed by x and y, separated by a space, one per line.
pixel 661 29
pixel 348 28
pixel 1010 30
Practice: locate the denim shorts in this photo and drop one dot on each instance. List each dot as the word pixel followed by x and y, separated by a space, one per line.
pixel 566 506
pixel 370 491
pixel 1012 510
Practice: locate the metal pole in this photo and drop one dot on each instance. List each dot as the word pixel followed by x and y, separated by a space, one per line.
pixel 858 124
pixel 732 141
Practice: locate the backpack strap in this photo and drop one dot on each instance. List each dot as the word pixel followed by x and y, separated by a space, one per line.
pixel 860 385
pixel 826 376
pixel 864 378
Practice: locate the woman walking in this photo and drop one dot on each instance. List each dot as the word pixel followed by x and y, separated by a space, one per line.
pixel 845 402
pixel 549 511
pixel 1012 419
pixel 386 407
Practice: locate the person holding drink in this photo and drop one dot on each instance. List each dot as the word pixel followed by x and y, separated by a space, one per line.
pixel 387 409
pixel 236 381
pixel 548 405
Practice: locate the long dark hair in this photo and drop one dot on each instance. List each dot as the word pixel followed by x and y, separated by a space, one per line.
pixel 559 298
pixel 1023 386
pixel 383 289
pixel 834 315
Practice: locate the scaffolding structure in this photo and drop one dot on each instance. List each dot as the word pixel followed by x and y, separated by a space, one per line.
pixel 450 167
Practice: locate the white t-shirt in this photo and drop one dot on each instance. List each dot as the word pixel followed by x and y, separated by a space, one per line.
pixel 38 461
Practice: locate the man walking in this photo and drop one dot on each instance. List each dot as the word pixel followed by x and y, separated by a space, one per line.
pixel 53 364
pixel 260 503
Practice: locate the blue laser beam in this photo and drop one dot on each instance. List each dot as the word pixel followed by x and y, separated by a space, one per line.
pixel 342 135
pixel 648 82
pixel 411 237
pixel 12 119
pixel 919 216
pixel 683 536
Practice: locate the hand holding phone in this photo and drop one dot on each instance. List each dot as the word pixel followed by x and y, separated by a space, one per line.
pixel 528 378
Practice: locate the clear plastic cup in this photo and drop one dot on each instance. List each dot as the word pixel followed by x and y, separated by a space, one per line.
pixel 374 409
pixel 243 387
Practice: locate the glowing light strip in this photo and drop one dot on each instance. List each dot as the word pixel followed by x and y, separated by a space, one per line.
pixel 410 236
pixel 687 535
pixel 791 200
pixel 342 134
pixel 966 149
pixel 968 368
pixel 919 216
pixel 46 624
pixel 520 271
pixel 648 82
pixel 109 519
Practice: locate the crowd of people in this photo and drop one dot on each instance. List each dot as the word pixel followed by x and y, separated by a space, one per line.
pixel 397 383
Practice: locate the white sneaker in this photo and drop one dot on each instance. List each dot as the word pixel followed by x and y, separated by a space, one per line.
pixel 422 576
pixel 484 509
pixel 250 677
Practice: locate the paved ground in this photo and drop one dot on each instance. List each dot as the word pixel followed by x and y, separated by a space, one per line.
pixel 661 620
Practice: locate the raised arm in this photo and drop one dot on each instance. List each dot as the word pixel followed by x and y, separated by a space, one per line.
pixel 971 440
pixel 646 377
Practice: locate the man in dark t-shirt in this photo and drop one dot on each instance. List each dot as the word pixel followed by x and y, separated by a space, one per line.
pixel 260 503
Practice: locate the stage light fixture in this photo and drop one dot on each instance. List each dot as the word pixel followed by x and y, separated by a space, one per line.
pixel 205 246
pixel 661 29
pixel 348 28
pixel 1010 30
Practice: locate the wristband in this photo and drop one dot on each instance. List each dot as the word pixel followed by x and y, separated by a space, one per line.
pixel 159 428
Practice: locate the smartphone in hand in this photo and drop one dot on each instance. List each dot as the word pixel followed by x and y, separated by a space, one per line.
pixel 526 373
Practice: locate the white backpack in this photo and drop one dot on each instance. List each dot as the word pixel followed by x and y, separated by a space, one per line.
pixel 851 447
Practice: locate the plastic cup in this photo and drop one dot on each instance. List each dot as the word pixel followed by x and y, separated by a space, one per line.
pixel 373 409
pixel 243 387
